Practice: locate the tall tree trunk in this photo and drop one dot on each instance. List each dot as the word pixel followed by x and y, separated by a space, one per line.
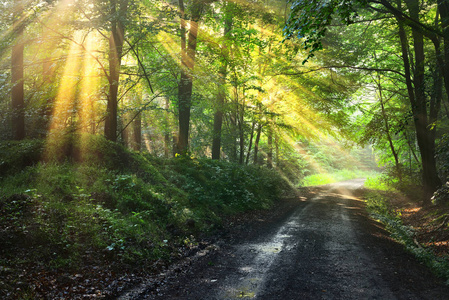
pixel 218 116
pixel 435 105
pixel 387 128
pixel 256 144
pixel 250 145
pixel 125 131
pixel 116 41
pixel 233 131
pixel 17 91
pixel 167 132
pixel 270 148
pixel 166 145
pixel 175 144
pixel 47 73
pixel 137 133
pixel 186 82
pixel 276 145
pixel 241 127
pixel 241 141
pixel 424 138
pixel 443 9
pixel 218 124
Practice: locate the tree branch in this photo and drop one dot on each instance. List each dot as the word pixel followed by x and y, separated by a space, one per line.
pixel 147 78
pixel 341 67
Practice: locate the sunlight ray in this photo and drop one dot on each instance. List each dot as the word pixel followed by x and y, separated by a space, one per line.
pixel 64 108
pixel 89 88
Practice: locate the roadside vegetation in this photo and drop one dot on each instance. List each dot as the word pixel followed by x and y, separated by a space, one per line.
pixel 105 207
pixel 423 230
pixel 339 175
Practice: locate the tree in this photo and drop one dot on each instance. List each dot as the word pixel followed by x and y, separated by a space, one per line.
pixel 185 85
pixel 118 14
pixel 413 69
pixel 218 116
pixel 17 90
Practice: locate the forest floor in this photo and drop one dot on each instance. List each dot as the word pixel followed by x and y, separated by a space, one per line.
pixel 321 244
pixel 430 223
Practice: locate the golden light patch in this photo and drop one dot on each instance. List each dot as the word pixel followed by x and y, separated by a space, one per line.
pixel 64 105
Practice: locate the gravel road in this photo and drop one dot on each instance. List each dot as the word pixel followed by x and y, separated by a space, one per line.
pixel 326 247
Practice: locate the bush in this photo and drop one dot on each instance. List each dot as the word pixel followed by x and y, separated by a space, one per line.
pixel 442 157
pixel 105 202
pixel 441 196
pixel 16 155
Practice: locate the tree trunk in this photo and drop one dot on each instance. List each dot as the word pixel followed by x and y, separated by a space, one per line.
pixel 175 144
pixel 216 138
pixel 48 73
pixel 233 131
pixel 124 131
pixel 256 144
pixel 137 133
pixel 241 127
pixel 424 138
pixel 412 149
pixel 166 145
pixel 167 132
pixel 116 41
pixel 17 91
pixel 387 128
pixel 270 148
pixel 443 9
pixel 186 82
pixel 218 116
pixel 248 153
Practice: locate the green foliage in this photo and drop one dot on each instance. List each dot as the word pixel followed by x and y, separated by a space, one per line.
pixel 377 183
pixel 377 204
pixel 442 156
pixel 227 186
pixel 108 202
pixel 341 175
pixel 16 155
pixel 401 180
pixel 318 179
pixel 441 196
pixel 312 30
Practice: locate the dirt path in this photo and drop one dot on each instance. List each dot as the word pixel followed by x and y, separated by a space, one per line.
pixel 326 248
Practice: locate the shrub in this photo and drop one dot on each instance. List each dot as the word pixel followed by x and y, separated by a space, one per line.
pixel 17 155
pixel 441 196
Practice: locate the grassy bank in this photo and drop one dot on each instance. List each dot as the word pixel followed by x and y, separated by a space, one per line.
pixel 88 202
pixel 422 231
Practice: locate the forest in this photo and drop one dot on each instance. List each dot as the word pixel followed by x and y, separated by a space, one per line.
pixel 129 129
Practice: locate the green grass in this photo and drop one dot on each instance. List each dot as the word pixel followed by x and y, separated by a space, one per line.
pixel 377 182
pixel 341 175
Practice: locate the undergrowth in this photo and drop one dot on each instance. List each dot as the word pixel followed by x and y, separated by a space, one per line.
pixel 104 203
pixel 336 176
pixel 378 205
